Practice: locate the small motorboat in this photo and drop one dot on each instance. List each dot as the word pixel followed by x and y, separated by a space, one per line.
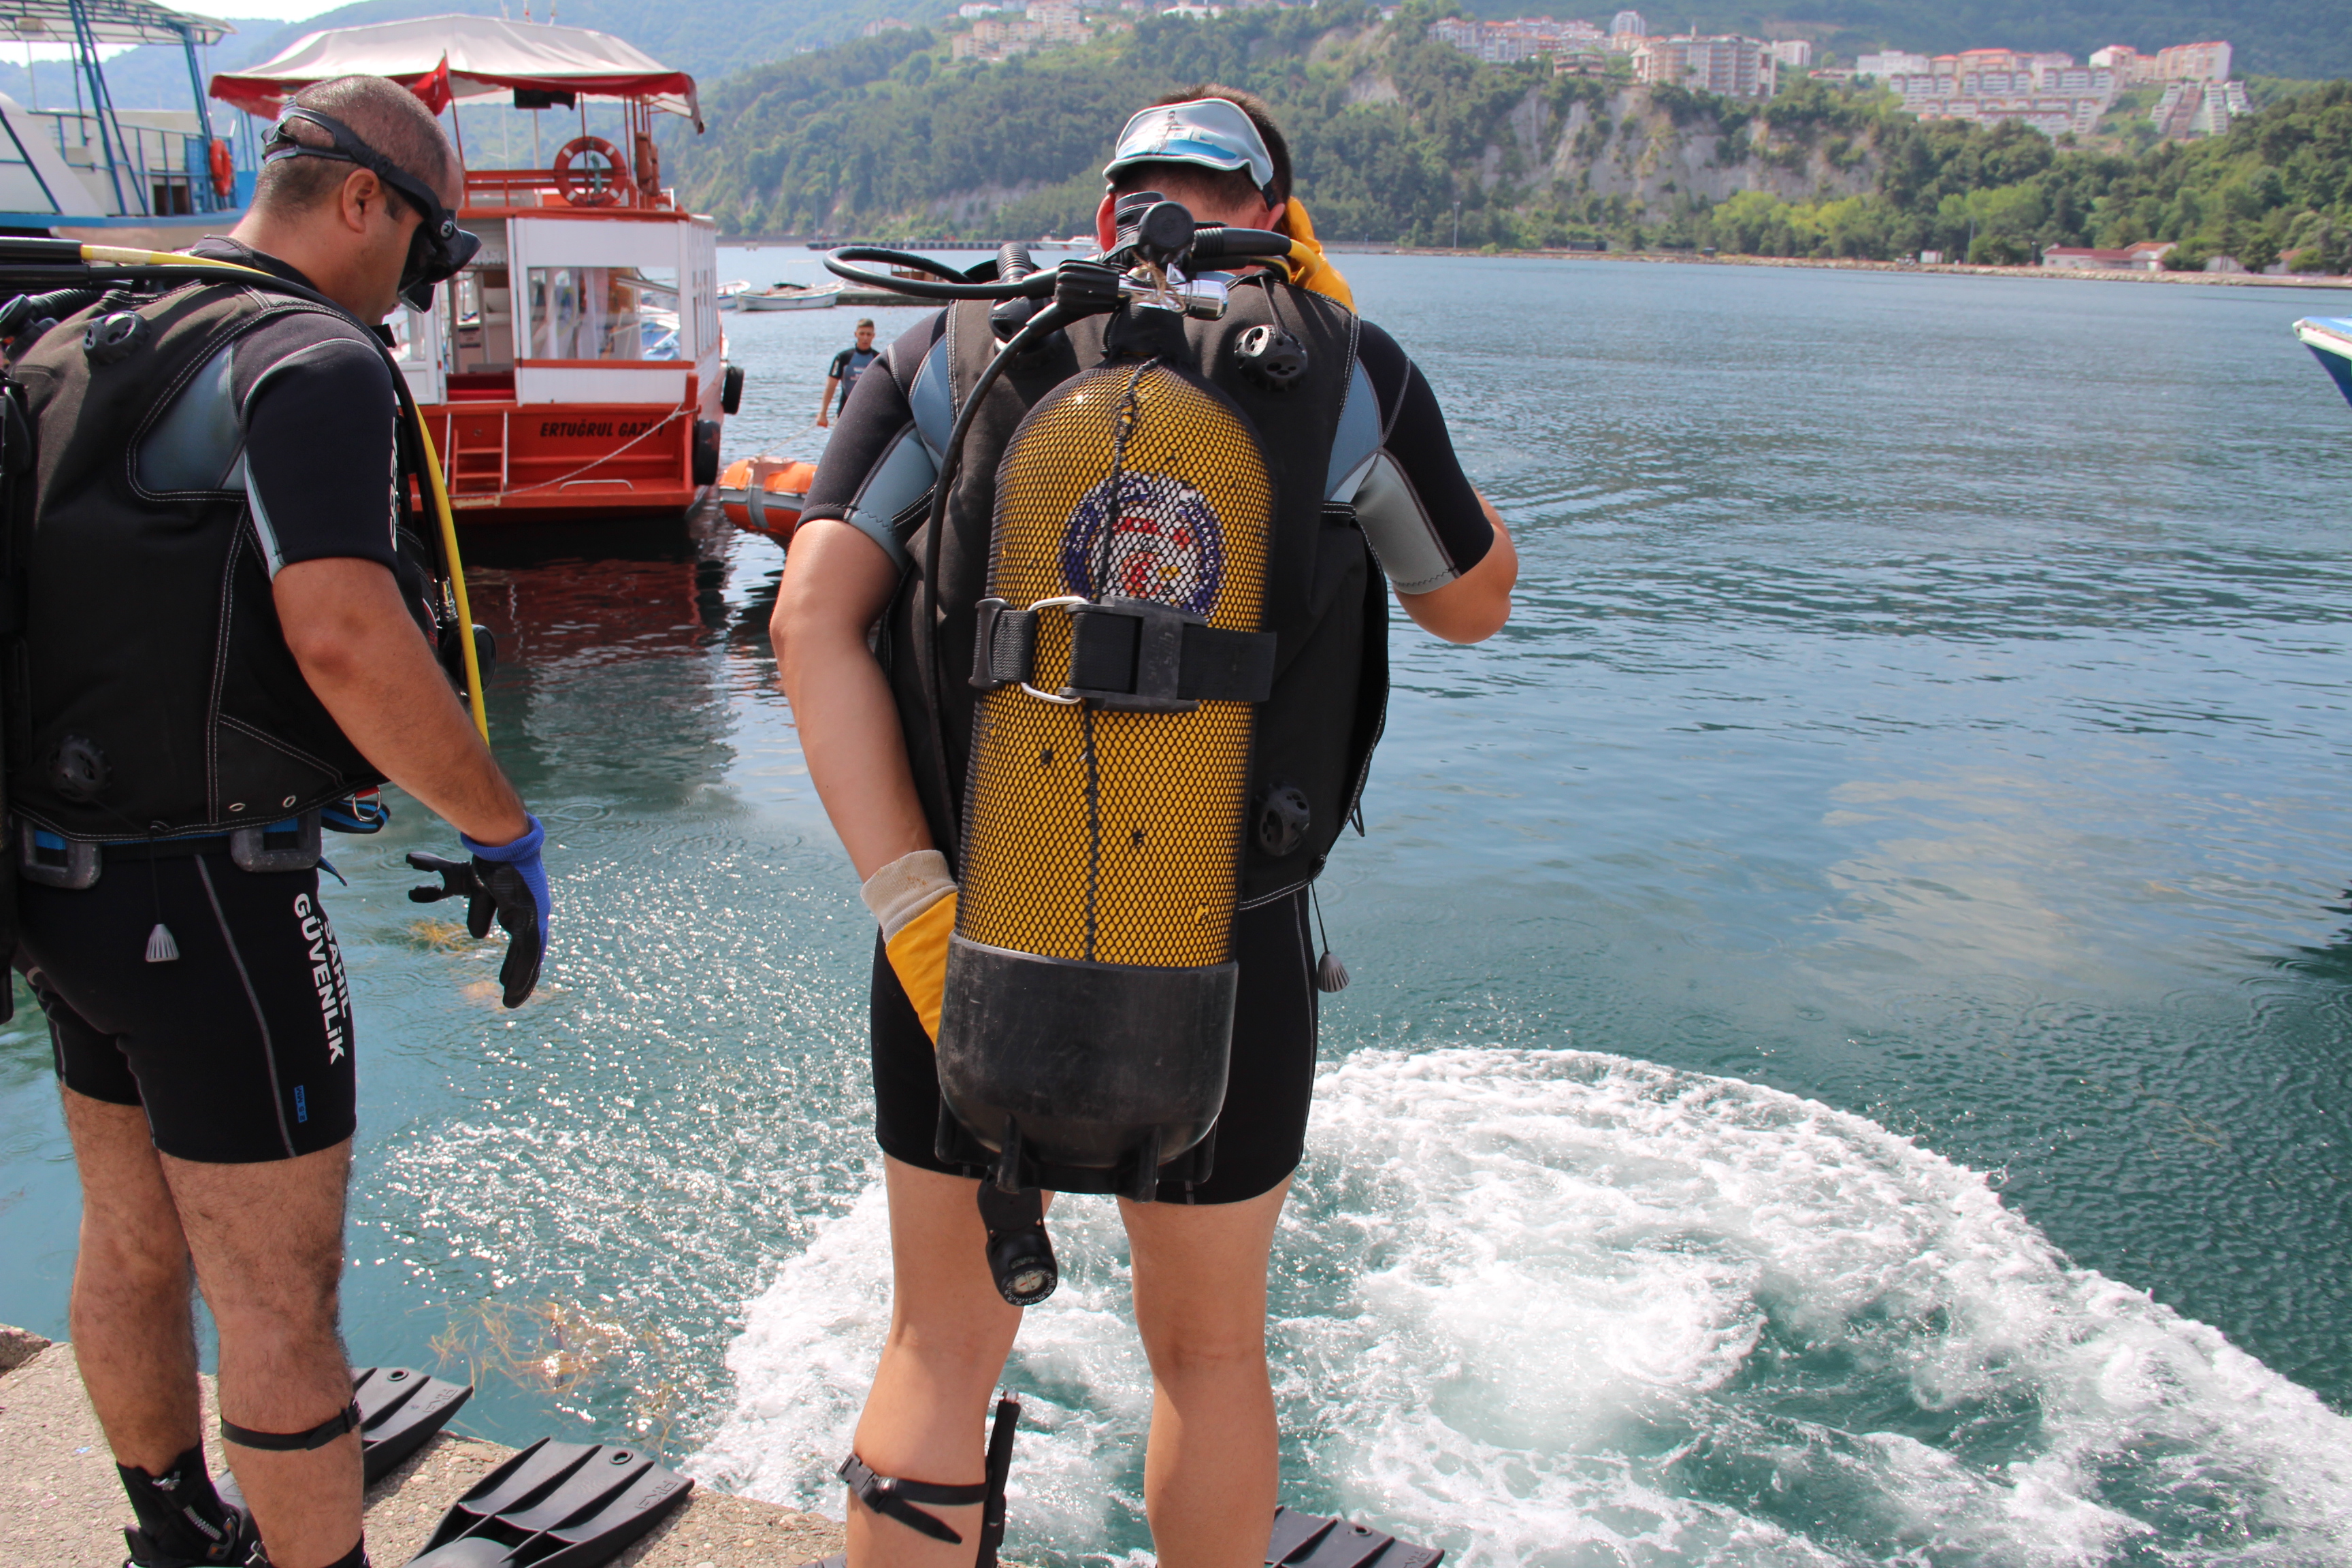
pixel 2330 343
pixel 764 495
pixel 789 297
pixel 730 293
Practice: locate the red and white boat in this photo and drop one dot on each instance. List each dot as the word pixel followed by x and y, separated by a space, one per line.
pixel 579 364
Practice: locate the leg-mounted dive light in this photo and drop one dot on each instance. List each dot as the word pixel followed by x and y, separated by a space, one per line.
pixel 1088 1019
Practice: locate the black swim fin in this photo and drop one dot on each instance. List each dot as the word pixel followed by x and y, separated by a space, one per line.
pixel 1311 1541
pixel 555 1505
pixel 399 1409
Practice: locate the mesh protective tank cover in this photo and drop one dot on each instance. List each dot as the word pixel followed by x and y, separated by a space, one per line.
pixel 1099 836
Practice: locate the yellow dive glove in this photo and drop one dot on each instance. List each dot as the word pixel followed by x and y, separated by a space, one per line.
pixel 1318 273
pixel 915 900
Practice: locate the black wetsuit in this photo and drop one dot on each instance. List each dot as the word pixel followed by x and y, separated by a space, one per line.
pixel 1423 519
pixel 847 367
pixel 242 1048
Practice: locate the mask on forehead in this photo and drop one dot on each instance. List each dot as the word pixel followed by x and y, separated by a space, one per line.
pixel 438 250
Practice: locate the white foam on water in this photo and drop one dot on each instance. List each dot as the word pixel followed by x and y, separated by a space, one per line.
pixel 1559 1307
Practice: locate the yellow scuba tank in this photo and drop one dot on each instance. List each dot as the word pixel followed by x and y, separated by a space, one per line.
pixel 1090 981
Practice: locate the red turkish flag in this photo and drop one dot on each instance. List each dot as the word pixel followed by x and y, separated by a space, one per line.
pixel 433 87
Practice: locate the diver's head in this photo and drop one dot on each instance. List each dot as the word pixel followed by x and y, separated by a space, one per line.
pixel 1215 149
pixel 359 189
pixel 865 334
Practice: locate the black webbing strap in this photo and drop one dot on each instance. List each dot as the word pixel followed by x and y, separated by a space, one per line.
pixel 896 1498
pixel 1129 653
pixel 347 1419
pixel 1000 1467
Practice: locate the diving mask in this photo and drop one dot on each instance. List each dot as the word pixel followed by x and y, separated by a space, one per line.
pixel 438 251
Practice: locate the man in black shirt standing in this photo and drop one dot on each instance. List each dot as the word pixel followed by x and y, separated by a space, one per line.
pixel 842 374
pixel 267 607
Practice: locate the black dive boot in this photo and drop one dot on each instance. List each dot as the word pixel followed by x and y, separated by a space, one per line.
pixel 183 1521
pixel 895 1498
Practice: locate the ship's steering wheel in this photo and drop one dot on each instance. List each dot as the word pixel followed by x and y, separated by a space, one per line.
pixel 589 172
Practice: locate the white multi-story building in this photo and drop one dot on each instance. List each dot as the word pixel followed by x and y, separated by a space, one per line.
pixel 1894 62
pixel 1793 54
pixel 1727 66
pixel 1628 25
pixel 1521 38
pixel 2192 62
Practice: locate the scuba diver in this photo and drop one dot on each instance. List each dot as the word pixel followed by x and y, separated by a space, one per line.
pixel 841 375
pixel 1238 437
pixel 234 631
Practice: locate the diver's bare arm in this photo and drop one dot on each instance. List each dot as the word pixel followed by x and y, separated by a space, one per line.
pixel 364 656
pixel 1474 607
pixel 836 583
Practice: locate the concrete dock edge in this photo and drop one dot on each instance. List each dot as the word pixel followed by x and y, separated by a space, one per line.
pixel 61 1506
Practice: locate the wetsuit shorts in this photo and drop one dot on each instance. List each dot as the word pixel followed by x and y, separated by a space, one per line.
pixel 1262 1132
pixel 240 1050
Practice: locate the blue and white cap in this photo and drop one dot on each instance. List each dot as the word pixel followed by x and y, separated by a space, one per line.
pixel 1213 132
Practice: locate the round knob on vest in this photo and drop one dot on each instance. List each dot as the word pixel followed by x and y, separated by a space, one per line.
pixel 1282 819
pixel 78 770
pixel 115 337
pixel 1270 357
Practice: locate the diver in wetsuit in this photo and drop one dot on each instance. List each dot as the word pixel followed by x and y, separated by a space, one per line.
pixel 841 375
pixel 231 624
pixel 1201 1251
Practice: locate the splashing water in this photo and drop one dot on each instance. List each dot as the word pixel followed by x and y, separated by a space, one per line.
pixel 1556 1307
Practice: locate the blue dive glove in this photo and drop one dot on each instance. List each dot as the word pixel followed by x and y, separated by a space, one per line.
pixel 506 880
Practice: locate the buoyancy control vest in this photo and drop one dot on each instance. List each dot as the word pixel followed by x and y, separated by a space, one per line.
pixel 1123 917
pixel 153 694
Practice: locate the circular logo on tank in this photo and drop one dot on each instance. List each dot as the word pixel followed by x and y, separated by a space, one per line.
pixel 1159 541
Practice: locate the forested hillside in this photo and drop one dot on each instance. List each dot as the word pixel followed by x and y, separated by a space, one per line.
pixel 1398 139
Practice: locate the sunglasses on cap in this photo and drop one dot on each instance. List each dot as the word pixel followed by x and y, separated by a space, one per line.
pixel 1208 133
pixel 439 250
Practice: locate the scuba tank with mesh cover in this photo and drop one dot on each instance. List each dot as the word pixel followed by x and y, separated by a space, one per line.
pixel 1127 574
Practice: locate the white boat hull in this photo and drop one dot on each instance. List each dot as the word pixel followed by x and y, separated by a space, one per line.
pixel 812 300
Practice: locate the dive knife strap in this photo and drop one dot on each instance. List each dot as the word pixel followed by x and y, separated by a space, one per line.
pixel 1127 653
pixel 890 1496
pixel 347 1419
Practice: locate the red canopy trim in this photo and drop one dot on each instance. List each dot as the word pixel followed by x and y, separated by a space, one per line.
pixel 264 97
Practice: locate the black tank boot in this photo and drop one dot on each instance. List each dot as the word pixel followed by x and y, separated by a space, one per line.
pixel 183 1523
pixel 896 1498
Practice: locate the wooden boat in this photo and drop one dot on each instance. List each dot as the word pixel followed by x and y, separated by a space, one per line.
pixel 577 366
pixel 2330 343
pixel 731 293
pixel 792 297
pixel 764 495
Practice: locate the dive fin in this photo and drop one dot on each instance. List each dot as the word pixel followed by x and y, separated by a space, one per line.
pixel 555 1505
pixel 1311 1541
pixel 399 1409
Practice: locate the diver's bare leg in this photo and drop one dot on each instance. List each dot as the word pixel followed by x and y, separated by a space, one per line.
pixel 950 1333
pixel 267 1241
pixel 1211 1476
pixel 132 1333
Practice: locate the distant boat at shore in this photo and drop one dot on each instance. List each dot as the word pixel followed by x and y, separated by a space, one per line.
pixel 2330 341
pixel 790 296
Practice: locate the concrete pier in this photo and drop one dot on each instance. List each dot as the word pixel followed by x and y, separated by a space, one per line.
pixel 62 1507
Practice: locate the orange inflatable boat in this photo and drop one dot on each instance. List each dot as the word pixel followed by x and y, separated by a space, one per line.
pixel 764 495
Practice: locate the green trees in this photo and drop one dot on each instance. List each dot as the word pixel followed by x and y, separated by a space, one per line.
pixel 1394 135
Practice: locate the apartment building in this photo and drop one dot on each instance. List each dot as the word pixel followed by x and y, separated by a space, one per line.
pixel 1049 24
pixel 1727 66
pixel 1521 38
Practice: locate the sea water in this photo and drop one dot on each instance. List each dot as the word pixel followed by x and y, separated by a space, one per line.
pixel 1845 1057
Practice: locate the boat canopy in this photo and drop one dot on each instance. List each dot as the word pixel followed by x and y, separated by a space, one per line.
pixel 461 58
pixel 106 22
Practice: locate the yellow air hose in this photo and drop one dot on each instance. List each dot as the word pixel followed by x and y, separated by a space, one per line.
pixel 122 255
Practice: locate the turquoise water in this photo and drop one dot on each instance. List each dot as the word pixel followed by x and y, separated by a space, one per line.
pixel 1844 1062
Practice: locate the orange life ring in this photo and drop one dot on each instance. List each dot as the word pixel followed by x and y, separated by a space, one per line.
pixel 224 169
pixel 588 185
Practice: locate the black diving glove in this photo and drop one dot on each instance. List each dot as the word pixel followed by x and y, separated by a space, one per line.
pixel 507 880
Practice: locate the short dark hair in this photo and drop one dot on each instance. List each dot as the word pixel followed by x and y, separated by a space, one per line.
pixel 1223 187
pixel 863 322
pixel 384 114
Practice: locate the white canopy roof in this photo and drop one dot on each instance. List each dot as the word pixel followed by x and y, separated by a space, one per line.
pixel 488 58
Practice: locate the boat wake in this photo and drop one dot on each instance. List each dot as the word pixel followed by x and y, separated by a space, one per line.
pixel 1555 1307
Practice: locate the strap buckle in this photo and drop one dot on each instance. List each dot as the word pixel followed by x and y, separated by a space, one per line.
pixel 53 860
pixel 293 845
pixel 1135 655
